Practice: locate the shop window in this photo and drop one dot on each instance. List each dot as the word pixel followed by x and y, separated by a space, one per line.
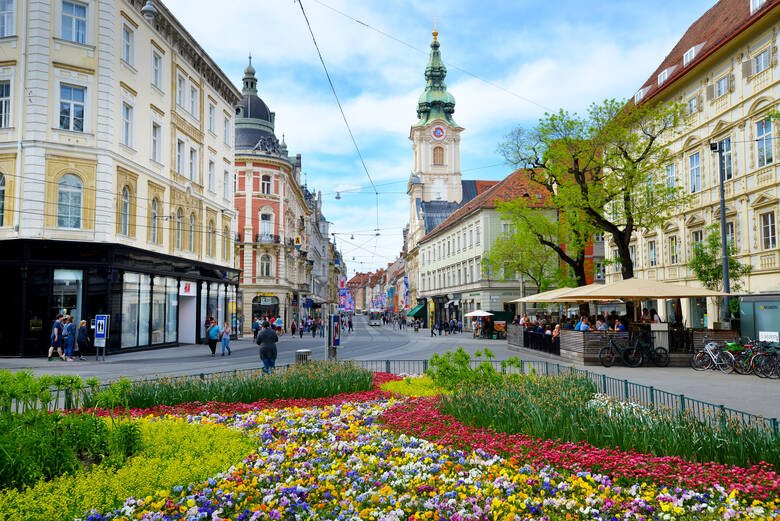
pixel 67 289
pixel 158 310
pixel 131 315
pixel 171 309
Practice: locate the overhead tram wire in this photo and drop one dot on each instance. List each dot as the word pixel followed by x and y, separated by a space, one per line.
pixel 341 109
pixel 423 51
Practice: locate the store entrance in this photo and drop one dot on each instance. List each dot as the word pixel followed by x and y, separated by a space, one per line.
pixel 265 306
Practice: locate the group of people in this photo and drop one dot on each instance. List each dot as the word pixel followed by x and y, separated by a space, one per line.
pixel 69 342
pixel 217 334
pixel 584 322
pixel 450 327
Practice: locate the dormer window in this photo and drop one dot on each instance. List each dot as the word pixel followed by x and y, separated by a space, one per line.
pixel 640 94
pixel 662 77
pixel 688 56
pixel 755 5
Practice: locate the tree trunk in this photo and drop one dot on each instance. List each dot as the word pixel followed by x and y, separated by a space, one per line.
pixel 626 264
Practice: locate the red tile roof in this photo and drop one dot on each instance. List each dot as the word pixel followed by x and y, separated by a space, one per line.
pixel 713 29
pixel 513 186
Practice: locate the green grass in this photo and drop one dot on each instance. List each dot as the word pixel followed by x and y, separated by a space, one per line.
pixel 563 408
pixel 315 379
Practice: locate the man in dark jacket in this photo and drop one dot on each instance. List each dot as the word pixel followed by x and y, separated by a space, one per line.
pixel 267 340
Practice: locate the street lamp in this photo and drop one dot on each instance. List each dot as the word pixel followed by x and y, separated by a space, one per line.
pixel 718 147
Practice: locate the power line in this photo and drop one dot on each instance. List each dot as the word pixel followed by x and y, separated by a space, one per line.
pixel 341 109
pixel 423 51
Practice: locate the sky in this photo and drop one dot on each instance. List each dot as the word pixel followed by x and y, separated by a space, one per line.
pixel 509 62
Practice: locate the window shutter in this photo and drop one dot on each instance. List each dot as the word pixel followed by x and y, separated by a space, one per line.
pixel 710 91
pixel 747 68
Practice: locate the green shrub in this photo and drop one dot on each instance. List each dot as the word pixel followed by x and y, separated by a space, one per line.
pixel 566 408
pixel 453 369
pixel 37 445
pixel 172 454
pixel 22 391
pixel 315 379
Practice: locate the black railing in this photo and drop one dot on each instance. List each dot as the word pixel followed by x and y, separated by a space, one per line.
pixel 267 238
pixel 542 342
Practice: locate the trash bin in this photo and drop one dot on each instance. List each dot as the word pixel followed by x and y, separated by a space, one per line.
pixel 302 355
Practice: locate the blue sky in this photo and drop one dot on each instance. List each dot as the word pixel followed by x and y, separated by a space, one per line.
pixel 558 54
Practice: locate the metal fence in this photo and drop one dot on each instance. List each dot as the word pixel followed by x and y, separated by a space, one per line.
pixel 623 390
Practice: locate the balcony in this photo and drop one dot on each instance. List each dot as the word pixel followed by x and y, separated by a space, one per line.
pixel 765 176
pixel 768 261
pixel 267 238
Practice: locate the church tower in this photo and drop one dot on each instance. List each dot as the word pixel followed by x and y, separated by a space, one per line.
pixel 436 138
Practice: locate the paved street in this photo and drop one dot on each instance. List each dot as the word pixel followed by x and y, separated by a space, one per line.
pixel 746 393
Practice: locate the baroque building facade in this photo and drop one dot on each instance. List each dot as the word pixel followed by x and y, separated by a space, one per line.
pixel 724 70
pixel 274 215
pixel 115 175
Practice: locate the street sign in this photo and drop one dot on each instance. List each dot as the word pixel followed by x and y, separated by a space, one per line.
pixel 101 333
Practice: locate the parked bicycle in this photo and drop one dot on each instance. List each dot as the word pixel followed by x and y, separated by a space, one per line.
pixel 630 354
pixel 658 355
pixel 712 357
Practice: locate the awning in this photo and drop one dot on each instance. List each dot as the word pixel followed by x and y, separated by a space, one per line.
pixel 417 309
pixel 635 289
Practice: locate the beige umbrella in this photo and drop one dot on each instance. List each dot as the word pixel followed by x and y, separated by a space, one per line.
pixel 478 313
pixel 636 289
pixel 546 296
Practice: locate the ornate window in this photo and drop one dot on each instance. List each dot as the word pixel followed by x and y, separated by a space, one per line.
pixel 764 142
pixel 226 243
pixel 265 186
pixel 124 213
pixel 154 219
pixel 768 237
pixel 2 200
pixel 192 232
pixel 438 155
pixel 695 171
pixel 265 266
pixel 210 248
pixel 179 217
pixel 69 197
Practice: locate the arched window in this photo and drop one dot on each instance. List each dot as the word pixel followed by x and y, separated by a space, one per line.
pixel 265 266
pixel 69 197
pixel 2 200
pixel 226 243
pixel 211 239
pixel 124 212
pixel 438 156
pixel 266 184
pixel 178 228
pixel 155 219
pixel 192 232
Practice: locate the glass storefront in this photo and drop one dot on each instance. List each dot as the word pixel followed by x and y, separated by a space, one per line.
pixel 158 310
pixel 130 309
pixel 203 315
pixel 211 304
pixel 144 308
pixel 67 292
pixel 171 309
pixel 221 305
pixel 698 312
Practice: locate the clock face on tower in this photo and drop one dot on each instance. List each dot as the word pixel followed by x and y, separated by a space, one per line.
pixel 438 132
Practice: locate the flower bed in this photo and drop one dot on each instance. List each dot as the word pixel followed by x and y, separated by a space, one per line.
pixel 422 417
pixel 338 462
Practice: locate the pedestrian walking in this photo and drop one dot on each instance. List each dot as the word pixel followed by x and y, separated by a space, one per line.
pixel 82 339
pixel 292 327
pixel 300 329
pixel 460 326
pixel 313 328
pixel 279 325
pixel 255 327
pixel 440 325
pixel 267 340
pixel 214 332
pixel 349 325
pixel 225 336
pixel 56 338
pixel 69 337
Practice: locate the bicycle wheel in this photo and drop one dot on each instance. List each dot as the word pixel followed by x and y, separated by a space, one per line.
pixel 762 366
pixel 632 356
pixel 742 363
pixel 701 361
pixel 725 362
pixel 660 357
pixel 607 356
pixel 775 367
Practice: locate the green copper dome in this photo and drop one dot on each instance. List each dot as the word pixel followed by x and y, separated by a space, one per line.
pixel 435 102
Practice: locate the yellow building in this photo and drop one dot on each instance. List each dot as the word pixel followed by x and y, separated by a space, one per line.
pixel 724 70
pixel 116 176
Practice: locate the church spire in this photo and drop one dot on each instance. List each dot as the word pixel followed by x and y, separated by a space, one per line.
pixel 435 102
pixel 250 82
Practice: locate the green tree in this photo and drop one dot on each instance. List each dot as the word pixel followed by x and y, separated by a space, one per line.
pixel 603 168
pixel 707 263
pixel 519 252
pixel 558 230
